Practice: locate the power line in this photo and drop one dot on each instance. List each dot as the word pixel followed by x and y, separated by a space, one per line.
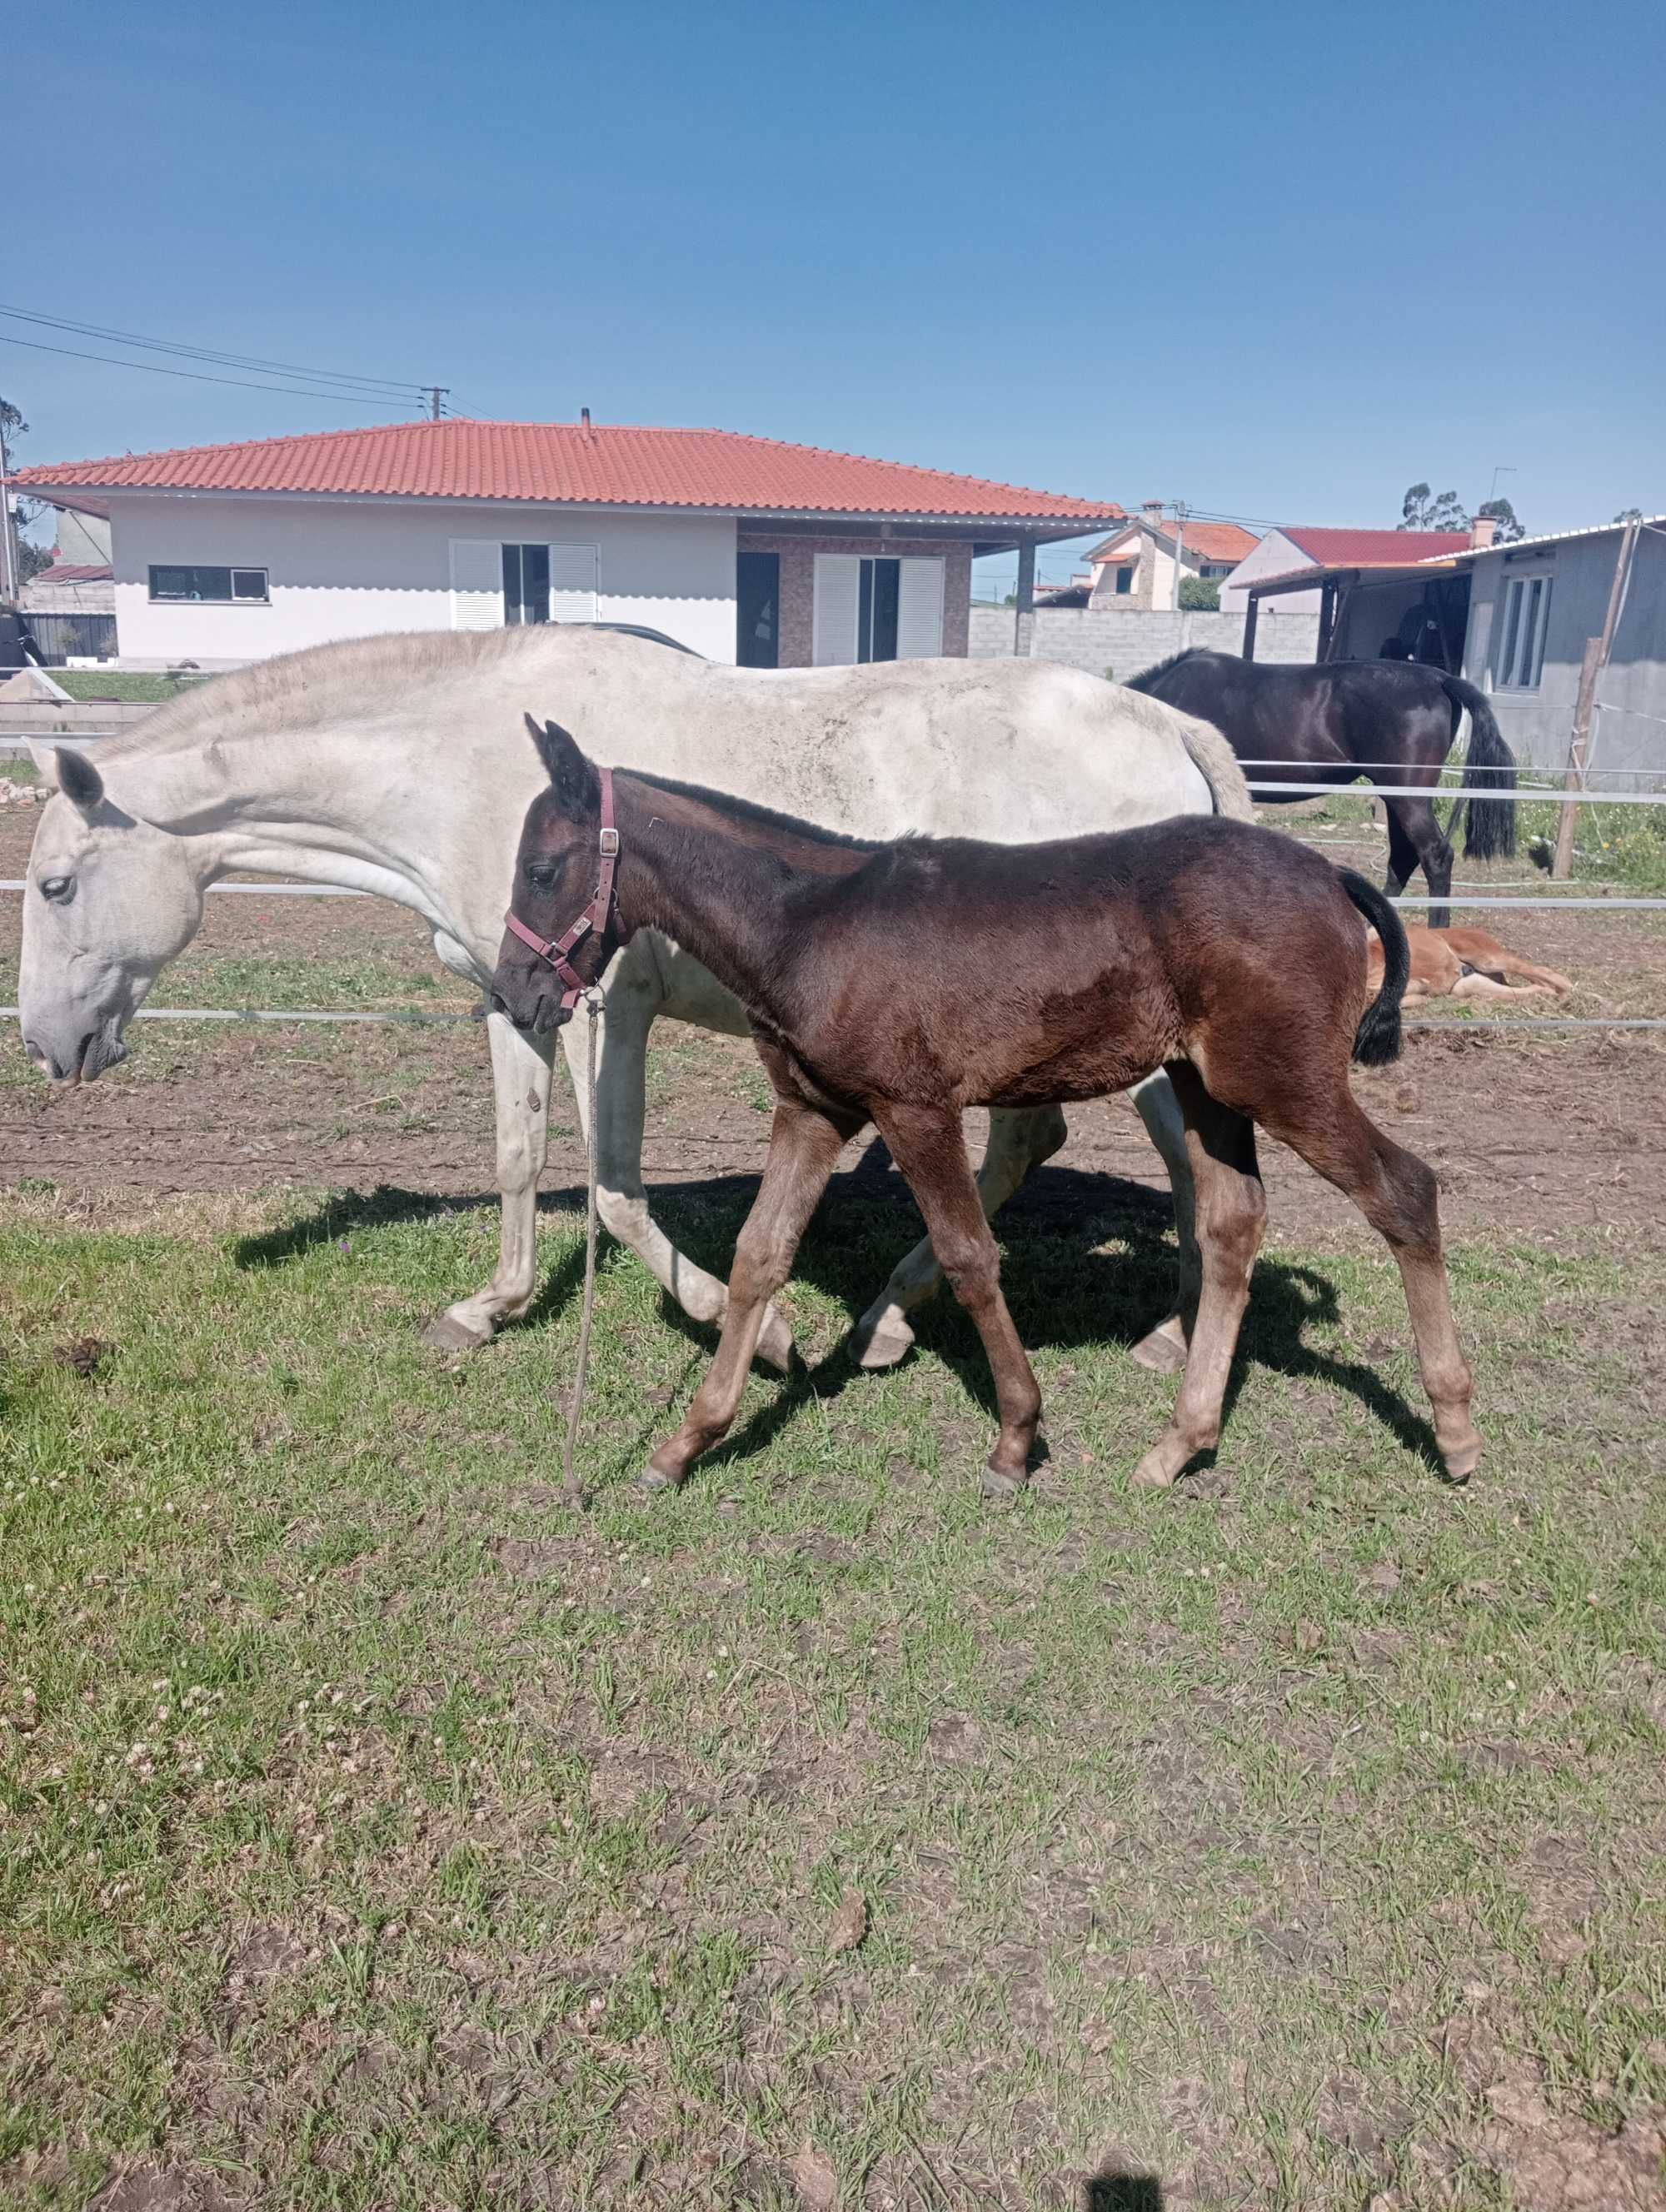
pixel 209 354
pixel 388 406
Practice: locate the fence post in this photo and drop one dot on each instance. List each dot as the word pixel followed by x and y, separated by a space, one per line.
pixel 1595 660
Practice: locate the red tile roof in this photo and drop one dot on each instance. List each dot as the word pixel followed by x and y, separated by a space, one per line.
pixel 1210 541
pixel 563 463
pixel 70 572
pixel 1375 549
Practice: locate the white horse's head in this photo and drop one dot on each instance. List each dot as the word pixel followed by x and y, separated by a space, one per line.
pixel 110 900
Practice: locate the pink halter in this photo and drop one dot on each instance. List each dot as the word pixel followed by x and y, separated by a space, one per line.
pixel 555 950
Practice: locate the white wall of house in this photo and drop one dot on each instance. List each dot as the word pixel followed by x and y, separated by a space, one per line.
pixel 1275 555
pixel 352 567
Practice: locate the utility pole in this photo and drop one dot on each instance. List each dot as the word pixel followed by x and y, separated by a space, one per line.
pixel 436 392
pixel 8 540
pixel 1179 547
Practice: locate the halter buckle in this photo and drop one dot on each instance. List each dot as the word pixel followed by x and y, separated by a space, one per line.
pixel 608 844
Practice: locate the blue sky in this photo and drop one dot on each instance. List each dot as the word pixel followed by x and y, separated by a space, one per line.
pixel 1276 261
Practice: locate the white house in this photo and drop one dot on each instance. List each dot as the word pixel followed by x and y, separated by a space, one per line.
pixel 744 549
pixel 1142 564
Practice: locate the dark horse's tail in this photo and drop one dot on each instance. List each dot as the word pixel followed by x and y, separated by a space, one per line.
pixel 1491 822
pixel 1377 1040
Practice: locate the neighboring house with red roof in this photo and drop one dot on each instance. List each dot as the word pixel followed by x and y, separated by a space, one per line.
pixel 1282 552
pixel 742 548
pixel 1136 566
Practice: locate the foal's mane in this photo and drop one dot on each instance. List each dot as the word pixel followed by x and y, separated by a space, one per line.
pixel 748 812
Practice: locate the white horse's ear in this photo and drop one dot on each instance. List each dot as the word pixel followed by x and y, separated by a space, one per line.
pixel 76 778
pixel 44 757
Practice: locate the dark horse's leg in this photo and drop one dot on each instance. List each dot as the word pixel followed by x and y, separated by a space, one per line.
pixel 1231 1213
pixel 1416 840
pixel 804 1147
pixel 929 1146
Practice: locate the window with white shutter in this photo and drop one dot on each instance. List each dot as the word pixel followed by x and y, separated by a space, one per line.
pixel 838 585
pixel 572 583
pixel 477 583
pixel 920 609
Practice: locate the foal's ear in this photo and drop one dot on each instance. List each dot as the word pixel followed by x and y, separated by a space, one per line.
pixel 574 781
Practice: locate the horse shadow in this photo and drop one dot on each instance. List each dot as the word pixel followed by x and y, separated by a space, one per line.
pixel 1087 1259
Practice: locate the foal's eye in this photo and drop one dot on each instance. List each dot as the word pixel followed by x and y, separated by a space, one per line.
pixel 57 887
pixel 541 874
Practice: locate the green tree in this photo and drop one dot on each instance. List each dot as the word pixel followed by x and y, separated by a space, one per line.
pixel 1422 509
pixel 31 558
pixel 1510 527
pixel 1202 594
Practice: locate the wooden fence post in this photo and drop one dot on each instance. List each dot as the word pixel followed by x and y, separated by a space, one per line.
pixel 1590 668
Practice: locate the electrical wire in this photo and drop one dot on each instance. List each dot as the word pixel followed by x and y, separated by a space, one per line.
pixel 387 386
pixel 387 406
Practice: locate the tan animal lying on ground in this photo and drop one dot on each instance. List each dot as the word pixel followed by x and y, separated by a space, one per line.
pixel 1465 964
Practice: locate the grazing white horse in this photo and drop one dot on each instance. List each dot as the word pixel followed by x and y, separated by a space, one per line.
pixel 401 765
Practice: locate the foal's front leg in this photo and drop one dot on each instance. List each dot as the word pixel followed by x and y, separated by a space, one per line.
pixel 804 1145
pixel 1231 1214
pixel 929 1146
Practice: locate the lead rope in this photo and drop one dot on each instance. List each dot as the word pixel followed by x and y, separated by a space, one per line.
pixel 572 1488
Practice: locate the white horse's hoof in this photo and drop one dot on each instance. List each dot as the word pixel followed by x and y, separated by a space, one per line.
pixel 881 1341
pixel 1163 1351
pixel 445 1333
pixel 774 1341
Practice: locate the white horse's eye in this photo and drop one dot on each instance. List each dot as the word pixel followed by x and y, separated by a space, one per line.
pixel 57 887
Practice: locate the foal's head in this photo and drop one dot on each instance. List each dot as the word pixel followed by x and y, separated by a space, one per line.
pixel 556 870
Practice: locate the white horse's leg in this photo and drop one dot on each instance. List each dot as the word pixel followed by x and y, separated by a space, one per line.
pixel 1020 1139
pixel 1164 1349
pixel 520 1082
pixel 634 994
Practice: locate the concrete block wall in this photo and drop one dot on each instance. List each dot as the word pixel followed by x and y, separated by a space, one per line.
pixel 1123 640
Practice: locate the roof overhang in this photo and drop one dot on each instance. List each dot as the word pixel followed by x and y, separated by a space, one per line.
pixel 1310 579
pixel 1011 529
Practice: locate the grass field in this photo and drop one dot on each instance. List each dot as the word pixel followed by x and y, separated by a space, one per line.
pixel 377 1835
pixel 134 683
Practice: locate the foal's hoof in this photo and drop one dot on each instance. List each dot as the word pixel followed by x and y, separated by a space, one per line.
pixel 1163 1351
pixel 881 1341
pixel 774 1341
pixel 1156 1471
pixel 1000 1489
pixel 445 1333
pixel 1462 1463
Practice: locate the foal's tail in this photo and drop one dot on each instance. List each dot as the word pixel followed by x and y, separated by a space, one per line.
pixel 1491 822
pixel 1377 1040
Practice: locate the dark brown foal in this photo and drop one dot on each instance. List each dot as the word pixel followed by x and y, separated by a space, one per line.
pixel 902 983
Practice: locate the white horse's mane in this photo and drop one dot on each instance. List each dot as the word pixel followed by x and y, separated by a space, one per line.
pixel 294 690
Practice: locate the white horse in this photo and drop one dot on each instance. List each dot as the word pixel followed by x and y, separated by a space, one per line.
pixel 399 765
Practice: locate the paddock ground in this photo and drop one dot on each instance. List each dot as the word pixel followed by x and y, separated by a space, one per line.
pixel 377 1835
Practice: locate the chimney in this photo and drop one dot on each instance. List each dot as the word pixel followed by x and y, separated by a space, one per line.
pixel 1151 511
pixel 584 421
pixel 1482 531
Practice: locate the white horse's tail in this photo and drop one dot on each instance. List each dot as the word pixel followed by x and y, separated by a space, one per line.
pixel 1218 764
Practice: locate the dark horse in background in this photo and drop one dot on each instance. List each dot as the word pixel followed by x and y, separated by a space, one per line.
pixel 1392 721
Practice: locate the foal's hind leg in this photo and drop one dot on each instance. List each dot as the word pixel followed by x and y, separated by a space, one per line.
pixel 804 1146
pixel 1020 1139
pixel 929 1147
pixel 1231 1213
pixel 1395 1192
